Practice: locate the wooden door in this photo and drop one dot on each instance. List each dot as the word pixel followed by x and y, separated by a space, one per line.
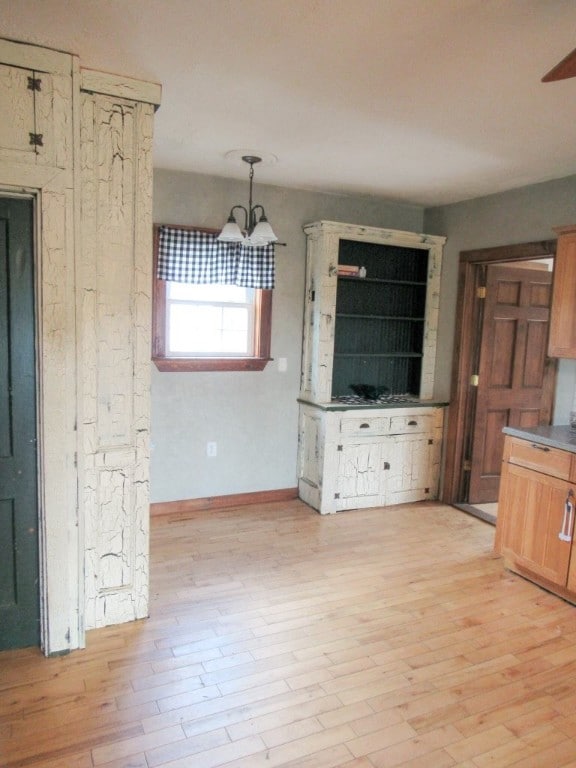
pixel 516 379
pixel 19 594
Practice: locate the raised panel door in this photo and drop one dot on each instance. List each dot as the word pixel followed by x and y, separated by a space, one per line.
pixel 19 568
pixel 514 387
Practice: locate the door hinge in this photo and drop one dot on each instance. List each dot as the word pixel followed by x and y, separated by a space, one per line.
pixel 36 139
pixel 467 466
pixel 481 292
pixel 338 447
pixel 34 84
pixel 474 380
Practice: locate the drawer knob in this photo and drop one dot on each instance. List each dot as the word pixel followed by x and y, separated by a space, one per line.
pixel 412 423
pixel 365 425
pixel 540 447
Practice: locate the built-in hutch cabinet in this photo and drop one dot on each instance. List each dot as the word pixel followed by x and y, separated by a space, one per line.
pixel 370 434
pixel 79 144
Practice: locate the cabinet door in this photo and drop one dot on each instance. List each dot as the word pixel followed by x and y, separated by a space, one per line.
pixel 359 475
pixel 28 111
pixel 531 515
pixel 17 110
pixel 562 338
pixel 414 462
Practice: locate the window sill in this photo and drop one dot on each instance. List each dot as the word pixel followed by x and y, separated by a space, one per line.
pixel 184 364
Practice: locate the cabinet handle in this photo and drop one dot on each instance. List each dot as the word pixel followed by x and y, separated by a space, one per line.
pixel 365 425
pixel 568 521
pixel 540 447
pixel 412 423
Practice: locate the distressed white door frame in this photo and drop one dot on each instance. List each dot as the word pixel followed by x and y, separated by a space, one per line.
pixel 60 529
pixel 51 180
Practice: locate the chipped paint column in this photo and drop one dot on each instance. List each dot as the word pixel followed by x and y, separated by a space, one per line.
pixel 114 281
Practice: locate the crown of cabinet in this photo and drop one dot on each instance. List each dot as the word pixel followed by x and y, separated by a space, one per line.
pixel 372 234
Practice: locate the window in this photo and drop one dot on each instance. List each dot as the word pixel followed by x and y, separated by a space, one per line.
pixel 209 327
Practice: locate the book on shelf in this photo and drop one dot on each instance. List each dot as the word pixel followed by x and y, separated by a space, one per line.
pixel 348 270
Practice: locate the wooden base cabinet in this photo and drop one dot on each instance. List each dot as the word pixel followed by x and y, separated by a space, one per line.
pixel 536 511
pixel 368 458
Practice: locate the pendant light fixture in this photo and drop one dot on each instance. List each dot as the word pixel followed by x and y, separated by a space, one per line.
pixel 257 230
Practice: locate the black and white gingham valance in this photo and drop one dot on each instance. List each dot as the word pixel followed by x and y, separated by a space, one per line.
pixel 187 256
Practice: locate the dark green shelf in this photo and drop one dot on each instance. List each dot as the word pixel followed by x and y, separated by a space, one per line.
pixel 381 280
pixel 377 354
pixel 354 316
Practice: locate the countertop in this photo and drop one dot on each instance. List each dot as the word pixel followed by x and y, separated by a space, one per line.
pixel 556 437
pixel 358 403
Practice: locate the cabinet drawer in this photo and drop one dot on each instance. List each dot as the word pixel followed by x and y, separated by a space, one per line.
pixel 364 425
pixel 541 458
pixel 401 425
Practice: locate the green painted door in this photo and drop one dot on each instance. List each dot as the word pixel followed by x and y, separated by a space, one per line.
pixel 19 593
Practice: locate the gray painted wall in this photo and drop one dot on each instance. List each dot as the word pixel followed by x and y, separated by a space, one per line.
pixel 252 416
pixel 518 216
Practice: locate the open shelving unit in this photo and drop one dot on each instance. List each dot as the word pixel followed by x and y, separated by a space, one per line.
pixel 379 319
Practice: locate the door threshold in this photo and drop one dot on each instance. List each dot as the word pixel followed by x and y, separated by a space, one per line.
pixel 470 509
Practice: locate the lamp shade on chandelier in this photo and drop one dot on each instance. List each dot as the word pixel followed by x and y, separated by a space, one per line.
pixel 256 230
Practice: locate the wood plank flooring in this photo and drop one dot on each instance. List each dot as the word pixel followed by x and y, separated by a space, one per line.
pixel 282 639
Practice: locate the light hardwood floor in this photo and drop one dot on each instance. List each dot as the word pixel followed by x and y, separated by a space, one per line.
pixel 277 637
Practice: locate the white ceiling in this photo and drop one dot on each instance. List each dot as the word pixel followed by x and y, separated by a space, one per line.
pixel 423 101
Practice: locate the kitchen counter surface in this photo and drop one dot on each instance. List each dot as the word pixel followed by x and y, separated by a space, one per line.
pixel 556 437
pixel 351 404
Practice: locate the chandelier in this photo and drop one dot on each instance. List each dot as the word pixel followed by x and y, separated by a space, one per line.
pixel 257 230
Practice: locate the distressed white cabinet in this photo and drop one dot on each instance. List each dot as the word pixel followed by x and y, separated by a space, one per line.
pixel 371 317
pixel 352 459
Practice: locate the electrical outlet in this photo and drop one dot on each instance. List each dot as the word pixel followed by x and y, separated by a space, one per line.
pixel 282 364
pixel 211 449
